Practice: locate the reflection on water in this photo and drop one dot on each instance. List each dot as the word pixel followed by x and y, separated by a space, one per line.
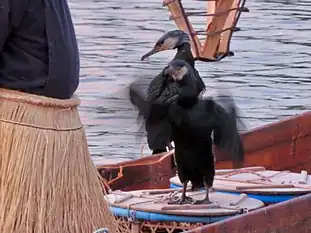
pixel 269 75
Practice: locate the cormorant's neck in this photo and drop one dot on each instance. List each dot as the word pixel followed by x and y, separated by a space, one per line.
pixel 184 53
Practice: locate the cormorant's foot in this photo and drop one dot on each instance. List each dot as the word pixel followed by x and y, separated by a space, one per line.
pixel 207 202
pixel 181 201
pixel 204 201
pixel 211 190
pixel 187 200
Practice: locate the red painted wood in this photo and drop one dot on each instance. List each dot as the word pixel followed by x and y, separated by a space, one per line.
pixel 282 145
pixel 140 174
pixel 279 146
pixel 293 216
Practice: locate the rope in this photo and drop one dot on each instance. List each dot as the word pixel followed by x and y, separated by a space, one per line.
pixel 168 197
pixel 164 198
pixel 203 13
pixel 263 178
pixel 121 167
pixel 120 175
pixel 41 127
pixel 200 32
pixel 106 184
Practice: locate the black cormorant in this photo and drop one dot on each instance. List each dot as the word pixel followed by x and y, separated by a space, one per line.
pixel 158 133
pixel 192 121
pixel 175 39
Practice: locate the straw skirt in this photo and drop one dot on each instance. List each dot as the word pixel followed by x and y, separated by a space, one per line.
pixel 48 183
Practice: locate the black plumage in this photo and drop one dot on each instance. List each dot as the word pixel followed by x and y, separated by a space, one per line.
pixel 192 121
pixel 161 88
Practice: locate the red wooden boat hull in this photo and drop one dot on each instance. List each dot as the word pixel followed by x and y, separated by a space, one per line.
pixel 293 216
pixel 284 145
pixel 147 172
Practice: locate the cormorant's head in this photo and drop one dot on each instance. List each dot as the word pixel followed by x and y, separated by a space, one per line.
pixel 177 69
pixel 170 40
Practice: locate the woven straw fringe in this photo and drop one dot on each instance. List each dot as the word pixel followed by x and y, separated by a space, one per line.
pixel 48 183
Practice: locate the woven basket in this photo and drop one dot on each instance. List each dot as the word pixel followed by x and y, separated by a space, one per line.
pixel 48 181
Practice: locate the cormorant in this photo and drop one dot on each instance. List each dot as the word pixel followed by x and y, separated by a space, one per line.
pixel 175 39
pixel 192 121
pixel 158 133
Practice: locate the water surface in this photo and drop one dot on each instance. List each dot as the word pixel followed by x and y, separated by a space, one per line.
pixel 269 75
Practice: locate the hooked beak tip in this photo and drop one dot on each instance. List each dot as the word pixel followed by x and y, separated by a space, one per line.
pixel 144 57
pixel 150 53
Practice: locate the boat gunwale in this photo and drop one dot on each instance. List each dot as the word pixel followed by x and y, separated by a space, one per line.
pixel 285 217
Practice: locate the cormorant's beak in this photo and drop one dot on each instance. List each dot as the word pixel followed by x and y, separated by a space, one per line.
pixel 151 52
pixel 156 49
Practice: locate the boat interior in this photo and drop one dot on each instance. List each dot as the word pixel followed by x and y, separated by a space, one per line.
pixel 281 146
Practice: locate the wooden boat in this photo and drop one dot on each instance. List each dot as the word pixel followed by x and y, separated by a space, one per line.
pixel 284 145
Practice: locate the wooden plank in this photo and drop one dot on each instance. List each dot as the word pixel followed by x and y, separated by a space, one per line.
pixel 211 43
pixel 270 186
pixel 191 207
pixel 226 36
pixel 176 9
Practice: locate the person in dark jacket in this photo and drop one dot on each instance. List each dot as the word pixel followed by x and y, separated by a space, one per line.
pixel 38 48
pixel 49 183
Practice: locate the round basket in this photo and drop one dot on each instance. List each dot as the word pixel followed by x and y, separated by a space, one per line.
pixel 49 183
pixel 148 211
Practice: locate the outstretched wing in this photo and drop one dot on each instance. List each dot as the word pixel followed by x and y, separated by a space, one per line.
pixel 150 110
pixel 156 86
pixel 226 101
pixel 225 132
pixel 138 99
pixel 151 113
pixel 200 82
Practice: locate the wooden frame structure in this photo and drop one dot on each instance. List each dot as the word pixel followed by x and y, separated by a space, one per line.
pixel 221 19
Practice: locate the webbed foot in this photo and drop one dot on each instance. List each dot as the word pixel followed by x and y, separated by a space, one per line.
pixel 207 202
pixel 204 201
pixel 181 201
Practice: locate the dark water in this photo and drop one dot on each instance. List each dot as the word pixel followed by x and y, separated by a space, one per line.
pixel 269 75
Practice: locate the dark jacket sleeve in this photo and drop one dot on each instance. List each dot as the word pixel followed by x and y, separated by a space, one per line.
pixel 4 22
